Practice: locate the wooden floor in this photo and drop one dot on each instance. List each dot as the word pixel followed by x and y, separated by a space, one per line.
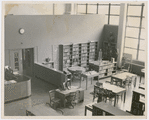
pixel 40 95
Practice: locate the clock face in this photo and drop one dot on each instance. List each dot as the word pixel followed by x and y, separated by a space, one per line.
pixel 22 31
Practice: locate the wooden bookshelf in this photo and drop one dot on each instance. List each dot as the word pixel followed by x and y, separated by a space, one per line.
pixel 106 69
pixel 138 102
pixel 77 54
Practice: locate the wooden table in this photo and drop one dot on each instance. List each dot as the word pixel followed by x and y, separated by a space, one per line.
pixel 41 110
pixel 94 65
pixel 75 68
pixel 63 94
pixel 122 76
pixel 116 90
pixel 142 86
pixel 91 75
pixel 102 107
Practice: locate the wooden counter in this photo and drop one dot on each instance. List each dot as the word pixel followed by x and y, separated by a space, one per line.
pixel 18 88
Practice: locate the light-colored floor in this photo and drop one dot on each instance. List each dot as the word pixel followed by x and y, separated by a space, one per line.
pixel 40 95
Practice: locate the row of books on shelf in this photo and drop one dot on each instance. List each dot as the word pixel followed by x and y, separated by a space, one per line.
pixel 106 70
pixel 139 98
pixel 136 111
pixel 105 74
pixel 84 48
pixel 67 54
pixel 72 58
pixel 138 105
pixel 75 64
pixel 106 67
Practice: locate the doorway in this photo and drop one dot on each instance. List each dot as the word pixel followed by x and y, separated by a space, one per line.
pixel 28 61
pixel 22 61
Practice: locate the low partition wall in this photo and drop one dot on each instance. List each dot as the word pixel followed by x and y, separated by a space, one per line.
pixel 50 75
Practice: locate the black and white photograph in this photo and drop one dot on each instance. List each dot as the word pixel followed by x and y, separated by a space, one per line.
pixel 74 59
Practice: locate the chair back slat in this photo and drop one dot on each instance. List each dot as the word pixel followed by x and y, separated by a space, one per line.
pixel 52 94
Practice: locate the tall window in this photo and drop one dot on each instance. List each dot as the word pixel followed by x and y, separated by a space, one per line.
pixel 111 11
pixel 135 32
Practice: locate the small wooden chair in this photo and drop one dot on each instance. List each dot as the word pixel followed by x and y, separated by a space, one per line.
pixel 126 62
pixel 54 102
pixel 78 76
pixel 109 95
pixel 96 92
pixel 71 99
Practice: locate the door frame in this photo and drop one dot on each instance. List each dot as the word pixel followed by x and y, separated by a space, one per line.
pixel 35 48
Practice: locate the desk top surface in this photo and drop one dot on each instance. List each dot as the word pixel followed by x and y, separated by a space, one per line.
pixel 111 109
pixel 103 63
pixel 65 92
pixel 123 75
pixel 74 68
pixel 114 88
pixel 140 91
pixel 43 110
pixel 91 73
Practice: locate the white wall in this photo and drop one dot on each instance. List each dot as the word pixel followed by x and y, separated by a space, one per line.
pixel 43 31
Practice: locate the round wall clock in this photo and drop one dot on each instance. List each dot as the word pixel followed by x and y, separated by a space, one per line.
pixel 21 31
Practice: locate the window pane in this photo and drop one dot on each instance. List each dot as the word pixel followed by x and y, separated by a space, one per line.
pixel 106 19
pixel 48 9
pixel 134 10
pixel 81 9
pixel 143 34
pixel 92 9
pixel 115 10
pixel 59 9
pixel 145 10
pixel 142 44
pixel 144 22
pixel 114 20
pixel 142 56
pixel 132 32
pixel 131 51
pixel 133 43
pixel 103 9
pixel 133 21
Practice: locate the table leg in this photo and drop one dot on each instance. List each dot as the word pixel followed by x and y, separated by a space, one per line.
pixel 91 80
pixel 80 83
pixel 63 101
pixel 85 111
pixel 140 79
pixel 124 96
pixel 27 113
pixel 115 100
pixel 112 80
pixel 121 82
pixel 86 82
pixel 135 81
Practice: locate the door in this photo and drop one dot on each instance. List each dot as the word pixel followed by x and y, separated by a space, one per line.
pixel 28 61
pixel 16 60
